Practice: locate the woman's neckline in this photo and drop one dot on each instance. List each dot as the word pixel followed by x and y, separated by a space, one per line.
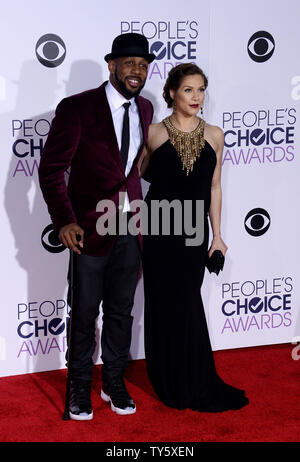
pixel 168 141
pixel 182 131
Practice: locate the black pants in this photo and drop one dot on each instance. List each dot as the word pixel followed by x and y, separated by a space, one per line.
pixel 112 280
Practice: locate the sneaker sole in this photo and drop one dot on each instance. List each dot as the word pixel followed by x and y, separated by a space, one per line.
pixel 115 409
pixel 80 417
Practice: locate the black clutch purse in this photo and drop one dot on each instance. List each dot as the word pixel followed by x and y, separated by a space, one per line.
pixel 215 262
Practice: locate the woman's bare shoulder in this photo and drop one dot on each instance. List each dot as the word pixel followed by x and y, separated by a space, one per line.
pixel 215 136
pixel 214 131
pixel 157 135
pixel 155 129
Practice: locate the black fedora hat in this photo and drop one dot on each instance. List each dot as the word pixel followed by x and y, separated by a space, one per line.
pixel 130 44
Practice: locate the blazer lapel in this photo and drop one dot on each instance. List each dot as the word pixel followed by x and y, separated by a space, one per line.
pixel 142 115
pixel 142 118
pixel 108 130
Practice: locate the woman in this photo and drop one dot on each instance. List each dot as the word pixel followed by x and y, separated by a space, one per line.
pixel 183 163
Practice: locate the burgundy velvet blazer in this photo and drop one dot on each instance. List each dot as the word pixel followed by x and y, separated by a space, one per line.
pixel 82 137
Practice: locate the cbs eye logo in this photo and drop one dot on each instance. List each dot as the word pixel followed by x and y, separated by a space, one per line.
pixel 50 50
pixel 257 222
pixel 50 240
pixel 261 46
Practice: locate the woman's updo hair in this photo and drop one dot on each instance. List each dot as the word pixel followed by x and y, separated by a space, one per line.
pixel 175 77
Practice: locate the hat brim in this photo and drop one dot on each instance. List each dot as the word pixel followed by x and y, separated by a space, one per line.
pixel 149 56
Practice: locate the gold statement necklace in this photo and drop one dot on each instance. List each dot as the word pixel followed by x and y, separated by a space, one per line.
pixel 187 144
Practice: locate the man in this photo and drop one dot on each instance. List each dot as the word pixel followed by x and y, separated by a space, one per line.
pixel 101 140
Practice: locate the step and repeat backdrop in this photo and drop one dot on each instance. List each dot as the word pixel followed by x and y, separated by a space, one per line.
pixel 250 52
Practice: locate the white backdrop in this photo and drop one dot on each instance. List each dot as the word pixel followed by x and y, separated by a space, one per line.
pixel 250 52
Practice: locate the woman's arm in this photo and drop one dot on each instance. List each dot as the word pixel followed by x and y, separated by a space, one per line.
pixel 216 196
pixel 156 136
pixel 144 160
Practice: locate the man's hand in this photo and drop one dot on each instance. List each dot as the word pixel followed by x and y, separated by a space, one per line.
pixel 72 236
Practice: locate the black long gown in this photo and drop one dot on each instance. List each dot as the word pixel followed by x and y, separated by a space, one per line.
pixel 178 352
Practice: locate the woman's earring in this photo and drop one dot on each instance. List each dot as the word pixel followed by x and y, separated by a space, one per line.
pixel 174 106
pixel 202 111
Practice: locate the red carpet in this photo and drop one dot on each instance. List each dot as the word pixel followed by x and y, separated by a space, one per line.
pixel 32 406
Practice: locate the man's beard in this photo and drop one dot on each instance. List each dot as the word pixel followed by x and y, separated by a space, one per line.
pixel 128 94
